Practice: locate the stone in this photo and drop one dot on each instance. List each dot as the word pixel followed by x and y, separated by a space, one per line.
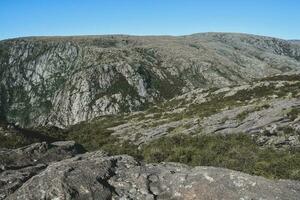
pixel 97 176
pixel 19 165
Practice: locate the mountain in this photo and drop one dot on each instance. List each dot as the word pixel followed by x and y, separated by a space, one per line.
pixel 61 81
pixel 202 116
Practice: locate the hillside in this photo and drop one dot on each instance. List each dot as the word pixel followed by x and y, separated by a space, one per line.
pixel 253 128
pixel 61 81
pixel 203 116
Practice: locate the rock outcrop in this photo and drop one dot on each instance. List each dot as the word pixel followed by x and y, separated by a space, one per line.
pixel 61 81
pixel 98 176
pixel 19 165
pixel 268 110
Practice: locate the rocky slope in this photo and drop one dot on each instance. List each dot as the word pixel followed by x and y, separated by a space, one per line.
pixel 60 81
pixel 35 172
pixel 268 110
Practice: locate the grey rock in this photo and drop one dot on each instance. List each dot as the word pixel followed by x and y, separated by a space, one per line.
pixel 37 153
pixel 98 176
pixel 14 178
pixel 197 112
pixel 19 165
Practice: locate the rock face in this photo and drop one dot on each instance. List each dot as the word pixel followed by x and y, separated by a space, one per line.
pixel 122 177
pixel 63 81
pixel 19 165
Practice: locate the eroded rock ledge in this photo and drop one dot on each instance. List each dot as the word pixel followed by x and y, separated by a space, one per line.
pixel 54 171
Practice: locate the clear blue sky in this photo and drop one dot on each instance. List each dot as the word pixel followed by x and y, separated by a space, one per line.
pixel 279 18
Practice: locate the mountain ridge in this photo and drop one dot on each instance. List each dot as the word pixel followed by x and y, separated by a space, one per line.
pixel 155 35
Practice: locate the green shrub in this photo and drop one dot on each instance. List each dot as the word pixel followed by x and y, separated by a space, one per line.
pixel 294 113
pixel 237 152
pixel 15 141
pixel 234 151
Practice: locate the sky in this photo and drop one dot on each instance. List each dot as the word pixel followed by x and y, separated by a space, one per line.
pixel 277 18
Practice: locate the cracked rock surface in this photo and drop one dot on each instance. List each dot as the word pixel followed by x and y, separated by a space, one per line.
pixel 19 165
pixel 122 177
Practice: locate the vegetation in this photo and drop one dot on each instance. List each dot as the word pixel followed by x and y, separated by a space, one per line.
pixel 13 141
pixel 235 151
pixel 291 77
pixel 244 114
pixel 15 137
pixel 294 113
pixel 95 134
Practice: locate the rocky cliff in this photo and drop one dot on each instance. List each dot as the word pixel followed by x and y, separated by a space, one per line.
pixel 60 81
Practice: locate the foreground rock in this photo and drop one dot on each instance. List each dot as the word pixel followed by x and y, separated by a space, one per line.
pixel 98 176
pixel 19 165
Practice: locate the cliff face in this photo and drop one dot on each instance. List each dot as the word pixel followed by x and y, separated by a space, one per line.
pixel 62 81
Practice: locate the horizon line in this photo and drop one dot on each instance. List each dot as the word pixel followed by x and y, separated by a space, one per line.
pixel 141 35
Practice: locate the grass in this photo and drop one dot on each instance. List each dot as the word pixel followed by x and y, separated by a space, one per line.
pixel 217 103
pixel 13 141
pixel 294 113
pixel 16 137
pixel 237 152
pixel 94 134
pixel 244 114
pixel 292 77
pixel 234 151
